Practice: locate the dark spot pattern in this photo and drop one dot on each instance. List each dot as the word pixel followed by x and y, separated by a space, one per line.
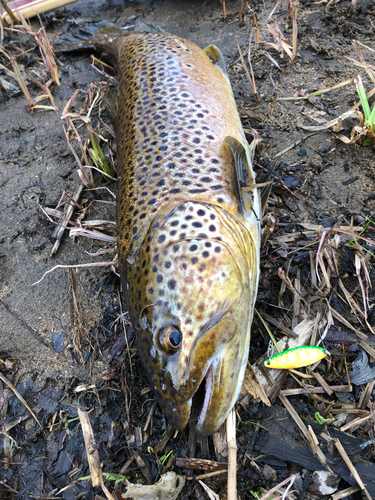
pixel 167 127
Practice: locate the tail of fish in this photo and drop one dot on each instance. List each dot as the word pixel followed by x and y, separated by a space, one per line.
pixel 188 218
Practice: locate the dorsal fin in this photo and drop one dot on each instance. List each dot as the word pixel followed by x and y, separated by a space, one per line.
pixel 216 57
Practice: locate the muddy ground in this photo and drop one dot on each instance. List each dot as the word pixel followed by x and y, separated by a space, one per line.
pixel 39 326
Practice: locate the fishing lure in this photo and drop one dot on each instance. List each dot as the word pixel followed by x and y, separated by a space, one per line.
pixel 296 357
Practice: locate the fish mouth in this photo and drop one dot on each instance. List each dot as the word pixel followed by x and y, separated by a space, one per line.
pixel 219 390
pixel 204 392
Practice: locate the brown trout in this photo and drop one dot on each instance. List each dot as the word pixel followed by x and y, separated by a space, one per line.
pixel 188 221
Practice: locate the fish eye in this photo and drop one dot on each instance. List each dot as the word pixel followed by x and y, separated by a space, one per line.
pixel 170 338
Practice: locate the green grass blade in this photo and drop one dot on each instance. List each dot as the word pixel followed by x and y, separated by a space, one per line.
pixel 371 120
pixel 362 95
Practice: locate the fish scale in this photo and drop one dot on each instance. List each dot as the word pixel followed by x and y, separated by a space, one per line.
pixel 188 218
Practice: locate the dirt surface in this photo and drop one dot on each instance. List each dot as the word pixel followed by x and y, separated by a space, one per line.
pixel 39 324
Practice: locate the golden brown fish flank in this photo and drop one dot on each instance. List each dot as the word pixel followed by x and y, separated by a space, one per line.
pixel 188 231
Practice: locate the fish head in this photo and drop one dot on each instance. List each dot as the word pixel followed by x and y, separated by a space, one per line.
pixel 191 295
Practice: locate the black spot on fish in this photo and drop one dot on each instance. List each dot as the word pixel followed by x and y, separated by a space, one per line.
pixel 196 191
pixel 172 284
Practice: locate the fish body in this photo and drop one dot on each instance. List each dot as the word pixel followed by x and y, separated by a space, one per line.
pixel 297 357
pixel 188 221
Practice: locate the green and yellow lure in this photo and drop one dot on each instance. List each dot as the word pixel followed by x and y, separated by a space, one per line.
pixel 296 357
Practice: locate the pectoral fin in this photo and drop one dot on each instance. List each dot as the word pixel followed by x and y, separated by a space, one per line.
pixel 242 173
